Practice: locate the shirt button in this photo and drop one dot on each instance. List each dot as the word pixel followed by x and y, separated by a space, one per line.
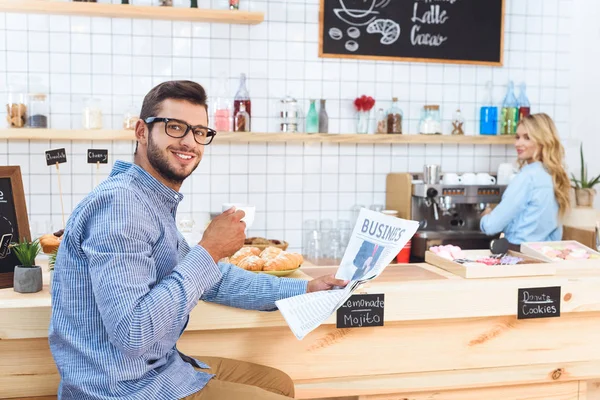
pixel 176 197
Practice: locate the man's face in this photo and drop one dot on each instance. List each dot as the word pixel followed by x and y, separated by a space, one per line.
pixel 176 158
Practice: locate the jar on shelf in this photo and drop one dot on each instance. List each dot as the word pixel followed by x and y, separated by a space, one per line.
pixel 458 123
pixel 130 118
pixel 382 121
pixel 431 121
pixel 290 115
pixel 92 114
pixel 16 108
pixel 394 118
pixel 38 110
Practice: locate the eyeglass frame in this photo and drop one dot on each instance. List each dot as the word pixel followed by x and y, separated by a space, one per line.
pixel 210 134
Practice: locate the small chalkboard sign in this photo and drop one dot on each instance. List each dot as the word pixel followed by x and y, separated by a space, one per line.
pixel 97 156
pixel 14 223
pixel 56 156
pixel 361 310
pixel 541 302
pixel 450 31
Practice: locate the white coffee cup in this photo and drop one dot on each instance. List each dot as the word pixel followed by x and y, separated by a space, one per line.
pixel 505 173
pixel 451 178
pixel 468 178
pixel 249 210
pixel 484 178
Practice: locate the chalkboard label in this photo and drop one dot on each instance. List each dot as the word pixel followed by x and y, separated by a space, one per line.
pixel 460 31
pixel 97 156
pixel 56 156
pixel 543 302
pixel 361 310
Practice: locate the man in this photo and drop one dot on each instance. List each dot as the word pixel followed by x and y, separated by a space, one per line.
pixel 125 280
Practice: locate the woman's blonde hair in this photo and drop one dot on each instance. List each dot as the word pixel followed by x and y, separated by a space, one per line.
pixel 541 130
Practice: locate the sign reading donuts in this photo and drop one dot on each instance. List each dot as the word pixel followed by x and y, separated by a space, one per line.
pixel 14 223
pixel 451 31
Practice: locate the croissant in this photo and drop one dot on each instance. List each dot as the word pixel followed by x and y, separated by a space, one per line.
pixel 252 263
pixel 243 253
pixel 280 263
pixel 270 252
pixel 49 243
pixel 294 258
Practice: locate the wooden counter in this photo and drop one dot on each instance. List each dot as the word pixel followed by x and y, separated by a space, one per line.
pixel 445 338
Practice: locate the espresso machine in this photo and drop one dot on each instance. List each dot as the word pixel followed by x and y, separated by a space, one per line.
pixel 450 213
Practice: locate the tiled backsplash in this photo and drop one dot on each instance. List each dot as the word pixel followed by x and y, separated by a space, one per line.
pixel 288 183
pixel 119 60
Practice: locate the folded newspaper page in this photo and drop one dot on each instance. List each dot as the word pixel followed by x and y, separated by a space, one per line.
pixel 376 239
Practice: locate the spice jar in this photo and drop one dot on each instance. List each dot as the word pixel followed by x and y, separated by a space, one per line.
pixel 457 123
pixel 16 109
pixel 130 118
pixel 241 121
pixel 394 118
pixel 382 121
pixel 92 114
pixel 431 121
pixel 38 111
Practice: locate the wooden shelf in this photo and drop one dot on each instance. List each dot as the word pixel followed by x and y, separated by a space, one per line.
pixel 131 11
pixel 235 137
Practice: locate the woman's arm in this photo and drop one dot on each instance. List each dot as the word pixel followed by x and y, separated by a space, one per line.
pixel 514 200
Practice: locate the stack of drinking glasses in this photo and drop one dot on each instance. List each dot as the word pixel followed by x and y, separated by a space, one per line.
pixel 323 241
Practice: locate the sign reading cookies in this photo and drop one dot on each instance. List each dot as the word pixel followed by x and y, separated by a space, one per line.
pixel 541 302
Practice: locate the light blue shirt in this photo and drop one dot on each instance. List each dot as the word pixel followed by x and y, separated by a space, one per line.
pixel 125 281
pixel 528 211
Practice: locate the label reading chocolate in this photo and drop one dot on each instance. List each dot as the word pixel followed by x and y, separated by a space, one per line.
pixel 56 156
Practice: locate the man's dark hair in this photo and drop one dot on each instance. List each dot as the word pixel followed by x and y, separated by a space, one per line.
pixel 177 90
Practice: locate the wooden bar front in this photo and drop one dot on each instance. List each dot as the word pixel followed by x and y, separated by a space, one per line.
pixel 445 338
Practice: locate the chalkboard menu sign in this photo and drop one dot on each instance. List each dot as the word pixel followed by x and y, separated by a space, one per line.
pixel 451 31
pixel 540 302
pixel 361 310
pixel 14 224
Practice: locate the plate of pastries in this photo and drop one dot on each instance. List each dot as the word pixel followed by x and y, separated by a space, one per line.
pixel 51 241
pixel 272 260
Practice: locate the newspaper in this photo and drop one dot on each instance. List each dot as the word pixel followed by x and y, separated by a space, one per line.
pixel 376 239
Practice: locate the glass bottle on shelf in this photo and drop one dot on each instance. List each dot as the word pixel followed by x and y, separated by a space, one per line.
pixel 312 118
pixel 394 118
pixel 381 121
pixel 241 121
pixel 510 112
pixel 221 109
pixel 130 117
pixel 242 97
pixel 458 123
pixel 92 114
pixel 38 111
pixel 488 115
pixel 524 105
pixel 323 118
pixel 16 107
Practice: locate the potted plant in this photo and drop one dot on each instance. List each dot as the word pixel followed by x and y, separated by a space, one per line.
pixel 584 187
pixel 51 262
pixel 28 276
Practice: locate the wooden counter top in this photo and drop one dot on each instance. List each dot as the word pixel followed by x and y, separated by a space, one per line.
pixel 413 292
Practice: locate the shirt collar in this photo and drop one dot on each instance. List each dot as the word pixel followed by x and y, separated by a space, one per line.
pixel 147 180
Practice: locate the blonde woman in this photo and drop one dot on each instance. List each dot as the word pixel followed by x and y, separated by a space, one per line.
pixel 538 196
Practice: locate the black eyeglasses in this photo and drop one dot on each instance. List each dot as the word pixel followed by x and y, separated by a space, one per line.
pixel 177 128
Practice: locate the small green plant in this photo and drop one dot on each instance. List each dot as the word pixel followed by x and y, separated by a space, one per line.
pixel 583 182
pixel 26 252
pixel 52 260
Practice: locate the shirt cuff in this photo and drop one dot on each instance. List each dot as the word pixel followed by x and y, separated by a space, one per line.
pixel 290 287
pixel 199 272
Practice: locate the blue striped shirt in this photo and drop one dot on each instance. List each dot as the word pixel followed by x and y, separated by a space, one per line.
pixel 125 281
pixel 528 211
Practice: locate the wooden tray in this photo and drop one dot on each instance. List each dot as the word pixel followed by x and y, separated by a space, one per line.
pixel 564 266
pixel 283 246
pixel 533 267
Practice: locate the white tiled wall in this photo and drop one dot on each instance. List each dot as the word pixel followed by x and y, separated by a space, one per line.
pixel 119 60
